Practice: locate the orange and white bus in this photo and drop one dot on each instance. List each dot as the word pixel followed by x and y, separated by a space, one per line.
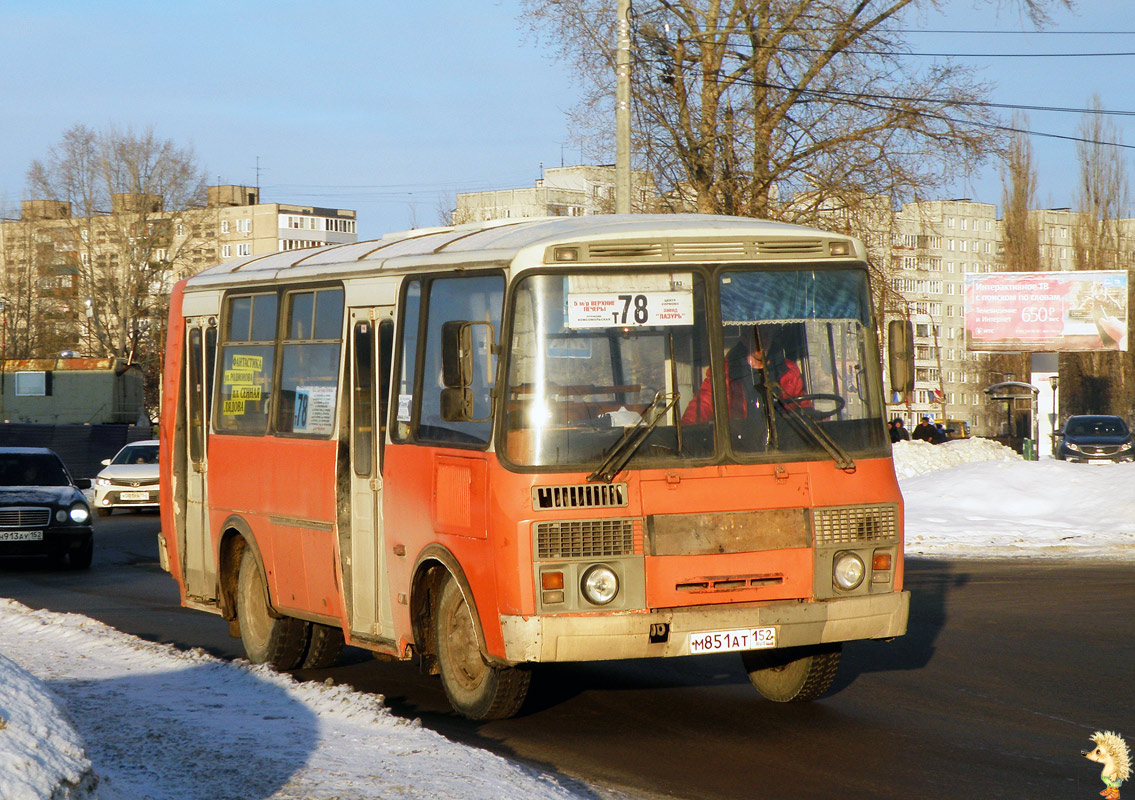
pixel 567 439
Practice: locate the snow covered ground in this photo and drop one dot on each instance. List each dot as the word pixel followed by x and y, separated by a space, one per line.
pixel 88 712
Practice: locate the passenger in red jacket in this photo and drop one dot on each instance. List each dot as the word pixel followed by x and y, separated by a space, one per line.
pixel 745 372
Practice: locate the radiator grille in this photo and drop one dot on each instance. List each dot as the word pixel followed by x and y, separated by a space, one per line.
pixel 133 481
pixel 584 495
pixel 849 524
pixel 21 516
pixel 586 538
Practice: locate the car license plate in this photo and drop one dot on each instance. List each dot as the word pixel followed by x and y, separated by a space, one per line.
pixel 134 496
pixel 21 536
pixel 729 641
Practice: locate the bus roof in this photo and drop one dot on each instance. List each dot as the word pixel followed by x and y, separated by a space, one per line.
pixel 606 239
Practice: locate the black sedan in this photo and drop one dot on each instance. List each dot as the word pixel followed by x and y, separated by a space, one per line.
pixel 1095 438
pixel 42 510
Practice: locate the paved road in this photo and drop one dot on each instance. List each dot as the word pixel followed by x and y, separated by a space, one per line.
pixel 1007 669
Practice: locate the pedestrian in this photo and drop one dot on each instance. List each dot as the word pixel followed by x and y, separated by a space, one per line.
pixel 940 436
pixel 924 431
pixel 899 432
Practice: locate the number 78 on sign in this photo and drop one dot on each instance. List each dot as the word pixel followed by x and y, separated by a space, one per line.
pixel 629 309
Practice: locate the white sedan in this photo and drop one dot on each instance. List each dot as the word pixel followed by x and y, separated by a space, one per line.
pixel 129 480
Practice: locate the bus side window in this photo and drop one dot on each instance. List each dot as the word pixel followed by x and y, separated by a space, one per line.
pixel 473 299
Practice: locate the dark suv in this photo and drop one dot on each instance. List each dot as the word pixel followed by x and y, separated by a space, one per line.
pixel 1089 439
pixel 42 511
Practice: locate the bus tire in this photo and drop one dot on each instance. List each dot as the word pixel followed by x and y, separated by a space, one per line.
pixel 475 689
pixel 324 648
pixel 267 639
pixel 794 674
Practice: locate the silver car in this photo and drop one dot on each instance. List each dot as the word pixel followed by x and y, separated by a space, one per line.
pixel 129 480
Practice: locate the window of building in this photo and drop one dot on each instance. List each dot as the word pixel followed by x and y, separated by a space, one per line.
pixel 224 226
pixel 244 249
pixel 226 251
pixel 244 225
pixel 33 384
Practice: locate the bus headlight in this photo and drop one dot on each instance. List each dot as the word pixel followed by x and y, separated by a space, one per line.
pixel 848 571
pixel 600 584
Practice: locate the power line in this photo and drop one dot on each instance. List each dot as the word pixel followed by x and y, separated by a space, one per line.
pixel 934 100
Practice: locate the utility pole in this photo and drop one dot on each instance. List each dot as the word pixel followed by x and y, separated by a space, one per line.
pixel 623 110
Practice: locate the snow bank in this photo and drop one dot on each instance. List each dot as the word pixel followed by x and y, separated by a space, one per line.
pixel 41 754
pixel 163 724
pixel 916 457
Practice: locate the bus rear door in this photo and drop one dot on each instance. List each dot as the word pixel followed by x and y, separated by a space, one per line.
pixel 200 569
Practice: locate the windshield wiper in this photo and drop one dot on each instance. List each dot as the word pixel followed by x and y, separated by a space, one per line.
pixel 619 453
pixel 811 427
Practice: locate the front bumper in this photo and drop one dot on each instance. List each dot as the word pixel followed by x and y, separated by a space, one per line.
pixel 55 542
pixel 111 497
pixel 639 634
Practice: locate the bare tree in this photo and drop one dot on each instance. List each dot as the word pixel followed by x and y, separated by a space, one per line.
pixel 1021 235
pixel 1097 382
pixel 741 105
pixel 126 191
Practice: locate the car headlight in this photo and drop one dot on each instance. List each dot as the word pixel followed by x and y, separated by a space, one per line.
pixel 1072 446
pixel 848 571
pixel 102 481
pixel 1125 446
pixel 79 513
pixel 600 584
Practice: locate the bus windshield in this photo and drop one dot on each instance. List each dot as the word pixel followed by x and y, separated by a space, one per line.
pixel 786 371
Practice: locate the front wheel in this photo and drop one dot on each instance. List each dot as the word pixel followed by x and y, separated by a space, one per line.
pixel 475 689
pixel 267 639
pixel 794 674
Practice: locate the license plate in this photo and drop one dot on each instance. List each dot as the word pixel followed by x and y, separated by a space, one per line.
pixel 729 641
pixel 21 536
pixel 134 495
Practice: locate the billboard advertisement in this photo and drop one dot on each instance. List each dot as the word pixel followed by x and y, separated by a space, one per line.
pixel 1046 311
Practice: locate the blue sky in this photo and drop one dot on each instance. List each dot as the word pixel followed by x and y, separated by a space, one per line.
pixel 387 106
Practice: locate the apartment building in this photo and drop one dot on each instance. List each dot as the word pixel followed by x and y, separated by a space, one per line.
pixel 561 192
pixel 934 245
pixel 245 226
pixel 58 271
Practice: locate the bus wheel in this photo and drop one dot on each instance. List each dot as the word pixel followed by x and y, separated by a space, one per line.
pixel 279 641
pixel 794 674
pixel 475 689
pixel 325 647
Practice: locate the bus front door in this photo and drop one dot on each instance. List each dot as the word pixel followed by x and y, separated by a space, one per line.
pixel 199 566
pixel 369 612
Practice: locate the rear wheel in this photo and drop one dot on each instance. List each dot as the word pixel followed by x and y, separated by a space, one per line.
pixel 475 688
pixel 267 639
pixel 792 675
pixel 325 646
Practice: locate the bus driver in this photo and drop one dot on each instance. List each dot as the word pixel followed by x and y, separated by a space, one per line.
pixel 745 373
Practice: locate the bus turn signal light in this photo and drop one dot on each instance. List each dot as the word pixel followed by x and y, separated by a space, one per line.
pixel 881 561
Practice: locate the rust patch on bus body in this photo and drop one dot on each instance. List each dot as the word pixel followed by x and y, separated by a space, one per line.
pixel 733 532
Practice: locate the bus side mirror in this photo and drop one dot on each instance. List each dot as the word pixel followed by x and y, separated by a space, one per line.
pixel 900 355
pixel 459 401
pixel 456 354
